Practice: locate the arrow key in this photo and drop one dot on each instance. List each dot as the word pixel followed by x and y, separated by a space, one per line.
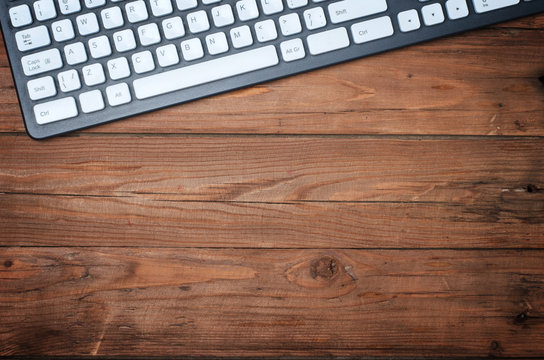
pixel 432 14
pixel 456 9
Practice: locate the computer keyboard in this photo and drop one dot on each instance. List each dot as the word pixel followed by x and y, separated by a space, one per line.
pixel 79 63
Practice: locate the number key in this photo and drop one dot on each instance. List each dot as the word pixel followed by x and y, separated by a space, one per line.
pixel 69 6
pixel 45 10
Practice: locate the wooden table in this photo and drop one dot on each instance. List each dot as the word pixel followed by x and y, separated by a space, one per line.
pixel 391 206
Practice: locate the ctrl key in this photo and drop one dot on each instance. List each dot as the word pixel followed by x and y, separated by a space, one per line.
pixel 55 110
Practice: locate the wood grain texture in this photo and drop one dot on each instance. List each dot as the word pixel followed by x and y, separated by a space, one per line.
pixel 275 169
pixel 514 222
pixel 388 207
pixel 252 192
pixel 417 90
pixel 66 301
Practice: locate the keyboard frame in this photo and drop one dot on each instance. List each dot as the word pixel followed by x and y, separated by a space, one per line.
pixel 83 121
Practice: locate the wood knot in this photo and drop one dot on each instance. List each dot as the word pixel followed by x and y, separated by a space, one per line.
pixel 496 346
pixel 541 79
pixel 325 268
pixel 8 263
pixel 521 318
pixel 532 188
pixel 323 272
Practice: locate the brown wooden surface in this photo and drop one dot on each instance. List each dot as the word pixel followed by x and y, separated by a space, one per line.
pixel 388 207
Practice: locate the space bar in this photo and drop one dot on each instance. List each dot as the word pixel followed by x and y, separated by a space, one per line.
pixel 205 72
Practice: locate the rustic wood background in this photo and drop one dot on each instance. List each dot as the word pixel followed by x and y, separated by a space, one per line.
pixel 391 206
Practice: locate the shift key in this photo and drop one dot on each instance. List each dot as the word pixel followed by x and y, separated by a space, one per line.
pixel 347 10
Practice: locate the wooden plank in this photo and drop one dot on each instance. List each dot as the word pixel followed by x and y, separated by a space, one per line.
pixel 275 169
pixel 515 222
pixel 66 301
pixel 418 90
pixel 253 192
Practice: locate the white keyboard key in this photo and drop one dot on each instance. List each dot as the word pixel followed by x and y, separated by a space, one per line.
pixel 482 6
pixel 118 68
pixel 266 30
pixel 457 9
pixel 75 53
pixel 161 7
pixel 222 15
pixel 136 11
pixel 149 34
pixel 205 72
pixel 241 37
pixel 100 47
pixel 167 55
pixel 327 41
pixel 93 74
pixel 432 14
pixel 91 4
pixel 198 21
pixel 294 4
pixel 314 18
pixel 292 50
pixel 408 20
pixel 63 30
pixel 346 10
pixel 41 88
pixel 69 81
pixel 192 49
pixel 118 94
pixel 217 43
pixel 271 7
pixel 20 15
pixel 87 24
pixel 173 28
pixel 290 24
pixel 91 101
pixel 41 62
pixel 69 6
pixel 142 62
pixel 112 18
pixel 208 2
pixel 45 10
pixel 247 10
pixel 372 30
pixel 55 110
pixel 186 4
pixel 124 40
pixel 32 38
